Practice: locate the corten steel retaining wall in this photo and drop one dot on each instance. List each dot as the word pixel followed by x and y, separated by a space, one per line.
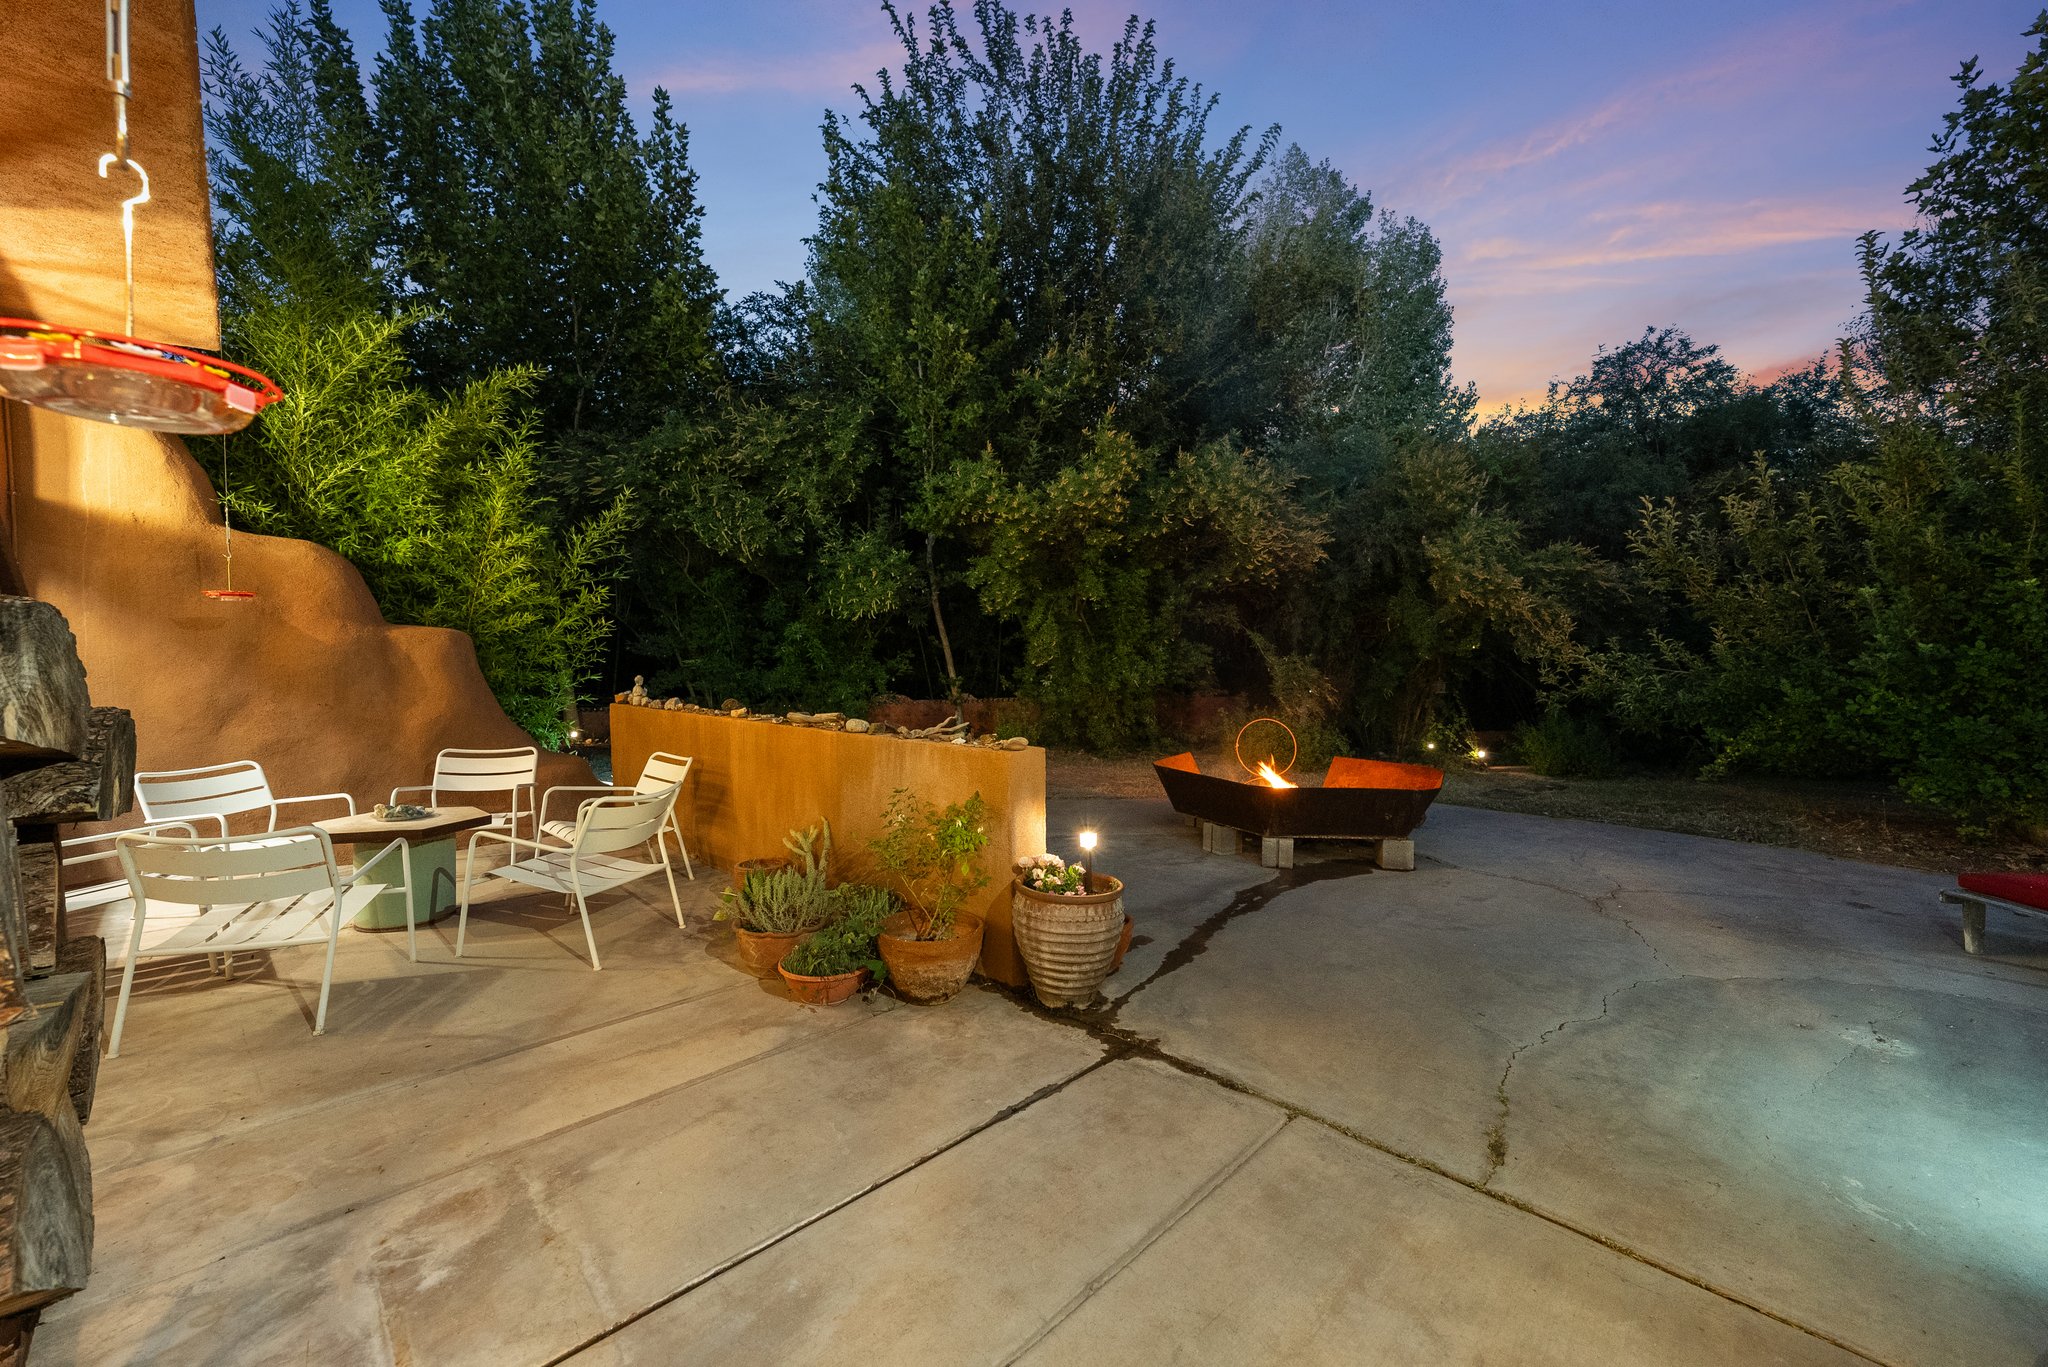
pixel 753 782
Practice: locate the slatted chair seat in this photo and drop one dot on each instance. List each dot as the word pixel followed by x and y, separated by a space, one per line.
pixel 662 770
pixel 218 896
pixel 590 863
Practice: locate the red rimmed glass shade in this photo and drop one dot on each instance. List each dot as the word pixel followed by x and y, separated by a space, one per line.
pixel 127 381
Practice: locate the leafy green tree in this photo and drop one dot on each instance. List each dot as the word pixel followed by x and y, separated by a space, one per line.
pixel 542 229
pixel 434 499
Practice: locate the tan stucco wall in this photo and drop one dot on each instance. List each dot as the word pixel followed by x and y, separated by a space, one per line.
pixel 119 528
pixel 753 782
pixel 60 223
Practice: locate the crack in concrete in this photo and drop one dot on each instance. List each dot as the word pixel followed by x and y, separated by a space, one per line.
pixel 1497 1133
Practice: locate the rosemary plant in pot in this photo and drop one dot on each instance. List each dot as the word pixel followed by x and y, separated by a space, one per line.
pixel 838 959
pixel 932 856
pixel 773 909
pixel 1067 923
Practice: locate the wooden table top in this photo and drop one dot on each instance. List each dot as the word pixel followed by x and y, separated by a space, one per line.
pixel 366 828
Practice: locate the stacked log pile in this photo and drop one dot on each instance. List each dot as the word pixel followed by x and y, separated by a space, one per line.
pixel 61 760
pixel 956 731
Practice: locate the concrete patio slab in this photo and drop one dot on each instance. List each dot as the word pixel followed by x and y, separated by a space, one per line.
pixel 1795 1088
pixel 1565 1093
pixel 1322 1251
pixel 975 1255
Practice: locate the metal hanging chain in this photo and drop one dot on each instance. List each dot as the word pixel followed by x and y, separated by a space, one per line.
pixel 118 77
pixel 227 518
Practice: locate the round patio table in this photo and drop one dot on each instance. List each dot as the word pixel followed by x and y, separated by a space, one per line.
pixel 433 861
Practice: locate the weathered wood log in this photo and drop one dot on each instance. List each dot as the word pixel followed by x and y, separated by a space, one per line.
pixel 43 701
pixel 13 950
pixel 86 956
pixel 45 1216
pixel 99 787
pixel 42 897
pixel 45 1177
pixel 15 1333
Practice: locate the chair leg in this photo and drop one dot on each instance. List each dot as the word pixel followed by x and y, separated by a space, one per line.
pixel 462 916
pixel 681 848
pixel 589 936
pixel 327 974
pixel 412 943
pixel 121 1008
pixel 669 872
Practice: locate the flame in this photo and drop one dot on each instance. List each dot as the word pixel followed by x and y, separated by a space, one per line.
pixel 1271 777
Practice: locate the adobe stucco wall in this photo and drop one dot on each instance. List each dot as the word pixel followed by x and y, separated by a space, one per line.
pixel 119 528
pixel 753 782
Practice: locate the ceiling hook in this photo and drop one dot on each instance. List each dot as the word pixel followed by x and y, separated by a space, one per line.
pixel 108 160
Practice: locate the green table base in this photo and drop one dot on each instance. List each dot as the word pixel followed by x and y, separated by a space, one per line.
pixel 433 882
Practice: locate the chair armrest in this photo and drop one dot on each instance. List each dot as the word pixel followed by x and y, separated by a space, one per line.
pixel 510 839
pixel 411 788
pixel 548 796
pixel 70 843
pixel 318 797
pixel 355 875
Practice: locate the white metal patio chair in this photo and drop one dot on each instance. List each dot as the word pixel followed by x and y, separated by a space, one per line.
pixel 483 771
pixel 214 792
pixel 662 770
pixel 244 893
pixel 588 863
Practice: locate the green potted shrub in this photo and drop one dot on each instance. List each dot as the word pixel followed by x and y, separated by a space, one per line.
pixel 772 909
pixel 932 856
pixel 839 958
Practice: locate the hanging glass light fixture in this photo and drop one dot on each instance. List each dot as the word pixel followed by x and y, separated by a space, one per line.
pixel 120 378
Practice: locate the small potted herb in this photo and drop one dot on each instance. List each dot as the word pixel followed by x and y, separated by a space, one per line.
pixel 838 959
pixel 932 856
pixel 772 909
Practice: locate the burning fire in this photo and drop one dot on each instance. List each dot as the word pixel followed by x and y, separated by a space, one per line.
pixel 1271 777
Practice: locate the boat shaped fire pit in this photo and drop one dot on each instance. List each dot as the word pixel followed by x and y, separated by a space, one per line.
pixel 1360 799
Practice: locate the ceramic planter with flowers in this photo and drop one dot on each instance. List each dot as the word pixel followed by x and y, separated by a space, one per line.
pixel 932 856
pixel 1068 924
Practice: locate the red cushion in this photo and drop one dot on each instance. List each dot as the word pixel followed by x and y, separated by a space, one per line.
pixel 2027 889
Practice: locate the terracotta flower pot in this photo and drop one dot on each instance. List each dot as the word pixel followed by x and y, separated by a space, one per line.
pixel 762 950
pixel 826 991
pixel 765 864
pixel 930 970
pixel 1068 942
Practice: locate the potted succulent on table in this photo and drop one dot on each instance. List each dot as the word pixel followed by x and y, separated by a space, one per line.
pixel 772 909
pixel 932 855
pixel 839 958
pixel 1068 924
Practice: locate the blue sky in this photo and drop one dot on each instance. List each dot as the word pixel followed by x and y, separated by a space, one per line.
pixel 1590 168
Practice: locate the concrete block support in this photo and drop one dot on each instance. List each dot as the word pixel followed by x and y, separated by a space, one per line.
pixel 1276 852
pixel 1397 855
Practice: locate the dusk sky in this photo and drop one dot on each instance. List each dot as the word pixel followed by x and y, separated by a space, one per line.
pixel 1590 169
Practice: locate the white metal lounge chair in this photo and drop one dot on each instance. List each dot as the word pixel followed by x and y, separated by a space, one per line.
pixel 588 863
pixel 483 771
pixel 243 893
pixel 214 792
pixel 662 770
